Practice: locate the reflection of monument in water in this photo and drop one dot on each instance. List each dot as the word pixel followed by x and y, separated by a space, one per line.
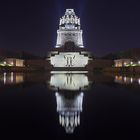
pixel 69 98
pixel 69 110
pixel 69 81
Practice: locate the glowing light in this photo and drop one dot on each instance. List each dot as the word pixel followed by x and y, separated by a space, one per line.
pixel 19 78
pixel 4 78
pixel 12 77
pixel 131 80
pixel 12 63
pixel 116 77
pixel 139 81
pixel 124 79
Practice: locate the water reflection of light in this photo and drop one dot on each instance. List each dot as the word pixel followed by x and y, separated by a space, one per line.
pixel 12 78
pixel 4 77
pixel 69 98
pixel 131 79
pixel 69 81
pixel 126 80
pixel 66 72
pixel 118 79
pixel 139 81
pixel 69 111
pixel 19 78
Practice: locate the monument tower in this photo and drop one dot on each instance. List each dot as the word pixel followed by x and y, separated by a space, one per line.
pixel 69 51
pixel 69 30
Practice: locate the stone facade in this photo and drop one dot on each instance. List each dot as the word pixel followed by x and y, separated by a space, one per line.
pixel 69 29
pixel 69 51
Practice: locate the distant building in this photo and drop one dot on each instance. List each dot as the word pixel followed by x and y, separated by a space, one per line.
pixel 123 62
pixel 14 62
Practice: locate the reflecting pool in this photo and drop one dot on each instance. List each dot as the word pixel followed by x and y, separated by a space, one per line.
pixel 69 105
pixel 69 90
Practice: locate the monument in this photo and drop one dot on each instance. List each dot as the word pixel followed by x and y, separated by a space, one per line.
pixel 69 51
pixel 69 59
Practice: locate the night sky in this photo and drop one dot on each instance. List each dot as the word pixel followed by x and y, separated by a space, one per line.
pixel 108 26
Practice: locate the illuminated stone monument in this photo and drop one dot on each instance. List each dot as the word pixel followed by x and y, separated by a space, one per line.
pixel 70 57
pixel 69 51
pixel 69 30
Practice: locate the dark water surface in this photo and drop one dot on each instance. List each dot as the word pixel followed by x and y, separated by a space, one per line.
pixel 70 106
